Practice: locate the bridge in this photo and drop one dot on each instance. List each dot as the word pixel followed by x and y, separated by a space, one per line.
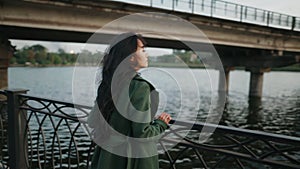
pixel 255 39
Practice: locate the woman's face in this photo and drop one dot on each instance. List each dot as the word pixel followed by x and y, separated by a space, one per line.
pixel 140 58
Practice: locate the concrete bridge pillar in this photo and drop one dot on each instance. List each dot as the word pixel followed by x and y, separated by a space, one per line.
pixel 6 52
pixel 256 81
pixel 224 83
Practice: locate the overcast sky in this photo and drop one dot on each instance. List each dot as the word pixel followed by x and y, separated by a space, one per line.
pixel 291 7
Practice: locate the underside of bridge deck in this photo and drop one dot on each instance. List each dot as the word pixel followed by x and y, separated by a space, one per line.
pixel 255 47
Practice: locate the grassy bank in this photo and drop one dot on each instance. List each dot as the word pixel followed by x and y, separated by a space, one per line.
pixel 292 68
pixel 175 65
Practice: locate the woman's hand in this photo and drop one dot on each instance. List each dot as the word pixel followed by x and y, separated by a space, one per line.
pixel 165 117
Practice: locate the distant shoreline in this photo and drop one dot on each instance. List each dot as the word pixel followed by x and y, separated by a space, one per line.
pixel 49 65
pixel 292 68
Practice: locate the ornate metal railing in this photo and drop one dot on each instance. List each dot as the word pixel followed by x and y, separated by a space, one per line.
pixel 3 131
pixel 53 135
pixel 57 134
pixel 225 10
pixel 237 148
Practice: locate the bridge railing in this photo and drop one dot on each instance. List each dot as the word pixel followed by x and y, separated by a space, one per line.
pixel 225 10
pixel 50 134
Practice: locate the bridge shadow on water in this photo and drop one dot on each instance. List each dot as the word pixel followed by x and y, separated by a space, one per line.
pixel 252 114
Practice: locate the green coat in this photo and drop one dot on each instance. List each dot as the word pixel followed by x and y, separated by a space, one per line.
pixel 146 103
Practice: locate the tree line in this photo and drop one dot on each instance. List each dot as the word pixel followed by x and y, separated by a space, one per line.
pixel 38 55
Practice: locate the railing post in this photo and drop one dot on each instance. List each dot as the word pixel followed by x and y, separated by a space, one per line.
pixel 279 20
pixel 17 150
pixel 245 12
pixel 211 8
pixel 193 6
pixel 268 18
pixel 173 5
pixel 293 23
pixel 241 15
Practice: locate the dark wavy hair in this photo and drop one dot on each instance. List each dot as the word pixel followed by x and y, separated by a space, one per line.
pixel 119 49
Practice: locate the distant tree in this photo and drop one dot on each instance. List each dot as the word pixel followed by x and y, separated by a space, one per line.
pixel 61 51
pixel 21 56
pixel 30 55
pixel 40 55
pixel 185 56
pixel 38 48
pixel 57 60
pixel 97 57
pixel 166 58
pixel 13 60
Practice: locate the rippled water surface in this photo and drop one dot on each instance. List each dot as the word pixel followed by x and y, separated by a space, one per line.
pixel 186 94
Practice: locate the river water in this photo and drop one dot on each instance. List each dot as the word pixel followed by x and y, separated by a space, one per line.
pixel 185 91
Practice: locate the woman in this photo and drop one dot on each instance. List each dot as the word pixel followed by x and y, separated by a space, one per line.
pixel 128 104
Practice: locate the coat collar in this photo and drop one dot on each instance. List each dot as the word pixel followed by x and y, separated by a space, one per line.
pixel 139 77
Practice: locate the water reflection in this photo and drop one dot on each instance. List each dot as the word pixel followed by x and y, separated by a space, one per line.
pixel 249 116
pixel 273 115
pixel 254 116
pixel 277 112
